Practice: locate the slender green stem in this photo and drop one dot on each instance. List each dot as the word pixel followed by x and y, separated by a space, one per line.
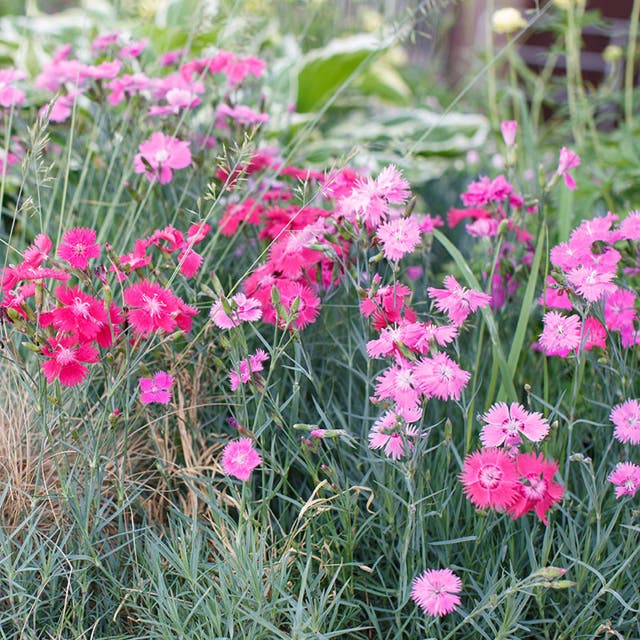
pixel 630 65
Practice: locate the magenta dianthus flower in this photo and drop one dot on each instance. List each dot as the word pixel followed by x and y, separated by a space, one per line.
pixel 490 479
pixel 78 247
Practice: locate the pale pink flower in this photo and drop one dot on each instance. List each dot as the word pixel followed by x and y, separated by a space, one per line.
pixel 392 434
pixel 105 40
pixel 239 459
pixel 591 283
pixel 134 49
pixel 78 247
pixel 626 418
pixel 398 384
pixel 393 338
pixel 241 113
pixel 490 479
pixel 505 425
pixel 370 199
pixel 247 368
pixel 626 478
pixel 457 301
pixel 630 226
pixel 242 309
pixel 509 129
pixel 435 591
pixel 159 155
pixel 398 237
pixel 568 160
pixel 561 334
pixel 11 96
pixel 156 388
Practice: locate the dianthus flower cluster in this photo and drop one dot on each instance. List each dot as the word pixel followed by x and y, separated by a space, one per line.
pixel 590 293
pixel 626 419
pixel 497 479
pixel 63 302
pixel 502 477
pixel 421 369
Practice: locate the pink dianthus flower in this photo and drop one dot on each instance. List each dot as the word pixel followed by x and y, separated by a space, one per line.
pixel 247 368
pixel 159 155
pixel 490 479
pixel 151 308
pixel 441 377
pixel 67 359
pixel 435 591
pixel 457 301
pixel 78 247
pixel 626 478
pixel 242 309
pixel 239 459
pixel 156 388
pixel 568 160
pixel 626 418
pixel 505 425
pixel 392 434
pixel 398 237
pixel 561 334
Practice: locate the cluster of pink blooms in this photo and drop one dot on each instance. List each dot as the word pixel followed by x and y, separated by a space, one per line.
pixel 309 245
pixel 421 369
pixel 115 70
pixel 626 418
pixel 501 477
pixel 70 322
pixel 591 291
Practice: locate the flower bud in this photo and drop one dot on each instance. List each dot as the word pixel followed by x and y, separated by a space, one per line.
pixel 509 129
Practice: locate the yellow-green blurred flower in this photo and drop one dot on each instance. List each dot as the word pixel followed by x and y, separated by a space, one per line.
pixel 507 20
pixel 612 53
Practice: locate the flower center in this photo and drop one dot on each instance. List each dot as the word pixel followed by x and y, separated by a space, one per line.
pixel 153 305
pixel 65 356
pixel 80 307
pixel 241 458
pixel 490 476
pixel 535 488
pixel 161 156
pixel 446 373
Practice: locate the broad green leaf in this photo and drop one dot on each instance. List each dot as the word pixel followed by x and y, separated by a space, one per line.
pixel 324 71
